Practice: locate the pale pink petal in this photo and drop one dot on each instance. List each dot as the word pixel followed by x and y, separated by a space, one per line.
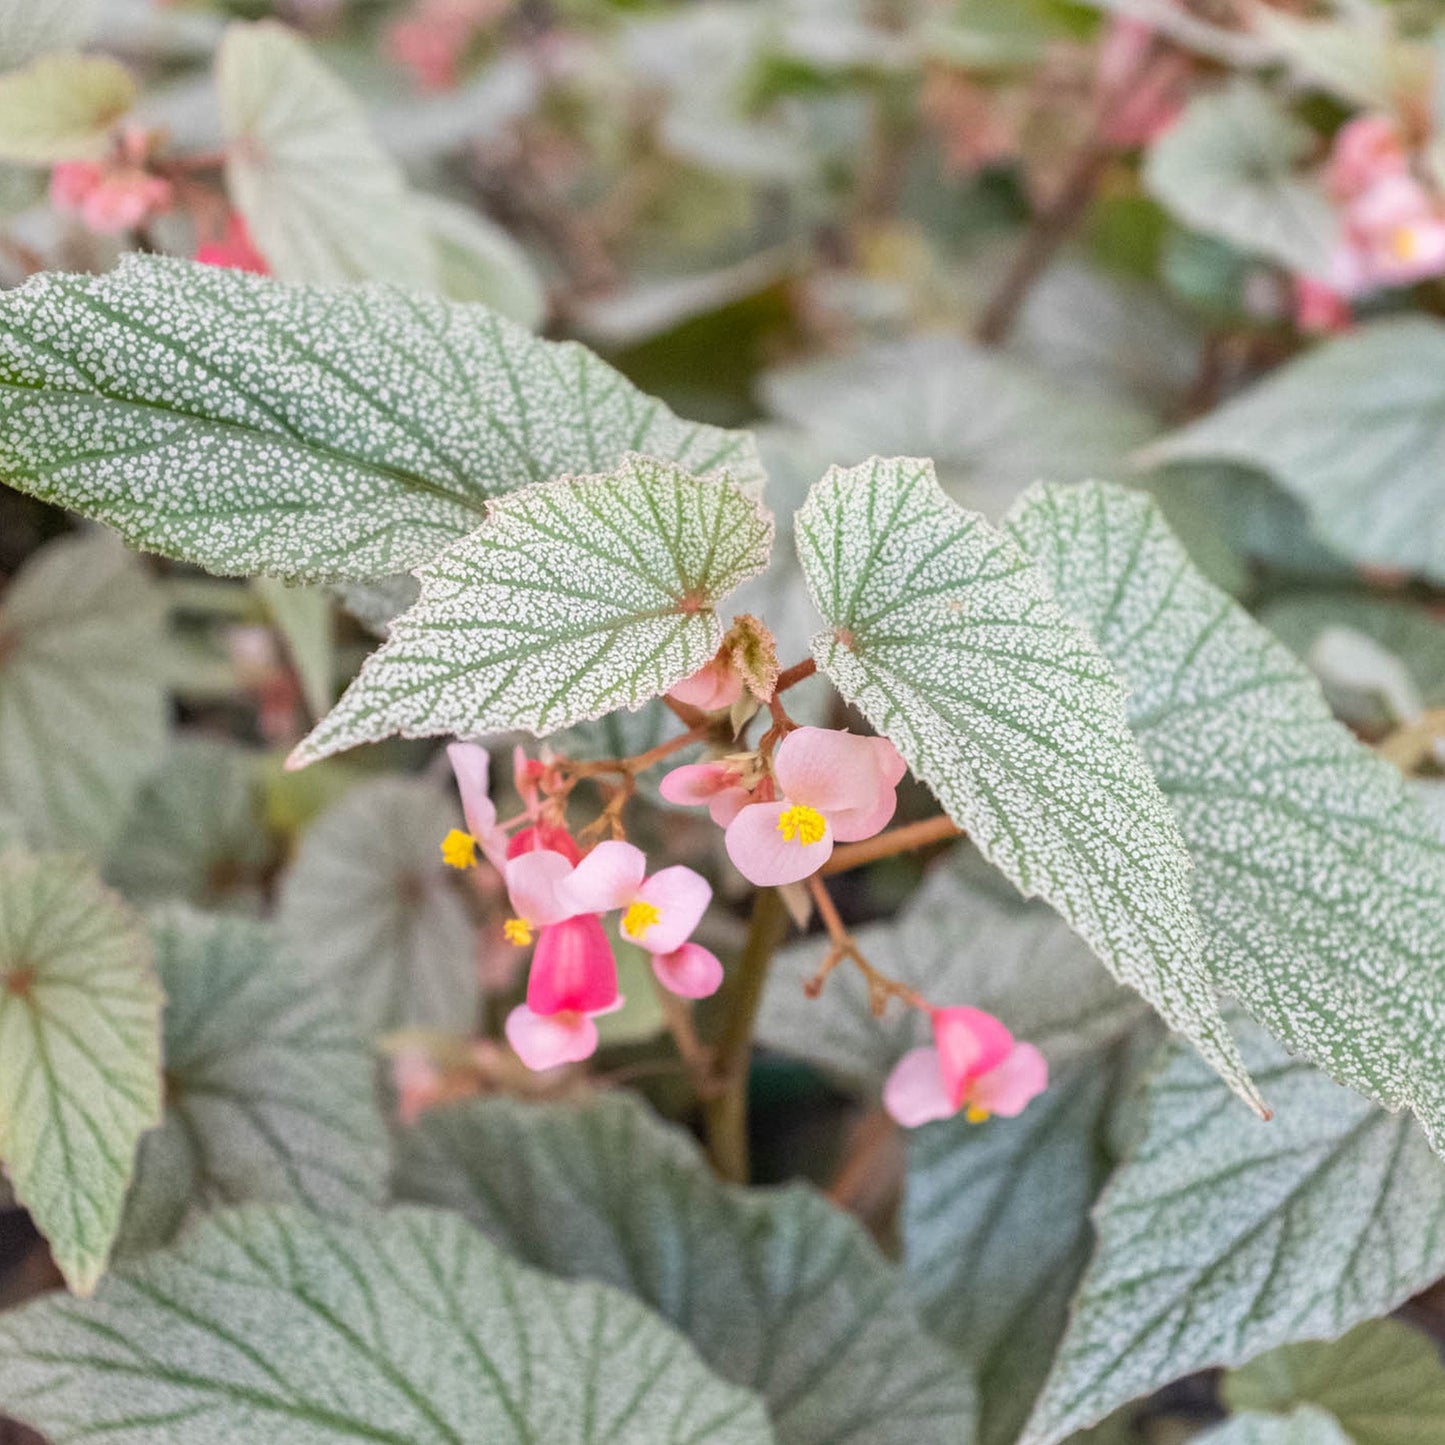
pixel 691 971
pixel 607 878
pixel 726 805
pixel 534 885
pixel 764 856
pixel 418 1084
pixel 889 760
pixel 471 766
pixel 694 784
pixel 526 774
pixel 970 1042
pixel 826 769
pixel 1364 151
pixel 852 824
pixel 681 897
pixel 710 688
pixel 545 1043
pixel 1007 1088
pixel 914 1093
pixel 573 970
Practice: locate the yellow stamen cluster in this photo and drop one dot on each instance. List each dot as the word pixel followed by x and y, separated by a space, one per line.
pixel 459 850
pixel 517 931
pixel 975 1115
pixel 806 825
pixel 639 918
pixel 1404 243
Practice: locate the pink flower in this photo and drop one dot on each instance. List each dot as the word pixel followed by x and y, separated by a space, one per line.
pixel 1395 236
pixel 660 912
pixel 534 886
pixel 418 1084
pixel 1317 308
pixel 109 199
pixel 1365 150
pixel 836 787
pixel 974 1063
pixel 691 971
pixel 573 970
pixel 711 688
pixel 471 766
pixel 1141 102
pixel 71 182
pixel 715 785
pixel 235 249
pixel 546 1043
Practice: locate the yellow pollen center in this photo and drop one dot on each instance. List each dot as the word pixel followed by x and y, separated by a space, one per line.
pixel 640 917
pixel 1404 243
pixel 518 931
pixel 805 825
pixel 459 850
pixel 975 1115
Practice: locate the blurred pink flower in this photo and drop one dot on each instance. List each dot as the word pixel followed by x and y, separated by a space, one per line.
pixel 974 1064
pixel 110 199
pixel 712 687
pixel 235 249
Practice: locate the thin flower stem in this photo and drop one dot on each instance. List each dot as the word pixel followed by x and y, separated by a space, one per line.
pixel 726 1113
pixel 881 988
pixel 903 839
pixel 791 676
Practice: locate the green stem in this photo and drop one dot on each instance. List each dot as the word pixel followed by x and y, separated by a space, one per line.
pixel 726 1114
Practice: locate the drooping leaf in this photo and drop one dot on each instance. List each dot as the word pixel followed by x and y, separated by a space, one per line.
pixel 303 617
pixel 1221 1236
pixel 80 1048
pixel 322 199
pixel 1306 1426
pixel 991 423
pixel 1356 430
pixel 82 706
pixel 476 260
pixel 62 107
pixel 195 831
pixel 276 1324
pixel 369 905
pixel 1318 878
pixel 270 1094
pixel 996 1234
pixel 575 598
pixel 306 433
pixel 1383 1382
pixel 776 1289
pixel 943 633
pixel 1230 166
pixel 964 937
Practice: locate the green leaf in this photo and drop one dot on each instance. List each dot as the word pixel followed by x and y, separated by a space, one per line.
pixel 323 201
pixel 476 260
pixel 996 1234
pixel 312 434
pixel 1230 167
pixel 776 1289
pixel 62 107
pixel 575 597
pixel 1306 1426
pixel 82 706
pixel 80 1047
pixel 943 633
pixel 1356 430
pixel 904 399
pixel 369 905
pixel 406 1328
pixel 303 617
pixel 28 30
pixel 1383 1382
pixel 964 937
pixel 1320 881
pixel 1358 57
pixel 195 831
pixel 1221 1236
pixel 270 1095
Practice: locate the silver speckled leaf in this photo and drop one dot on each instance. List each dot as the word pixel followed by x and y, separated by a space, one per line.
pixel 576 597
pixel 308 433
pixel 943 632
pixel 409 1328
pixel 776 1289
pixel 1319 878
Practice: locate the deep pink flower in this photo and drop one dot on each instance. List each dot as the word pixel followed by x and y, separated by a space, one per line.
pixel 573 970
pixel 713 785
pixel 974 1063
pixel 659 913
pixel 835 786
pixel 235 249
pixel 1317 308
pixel 691 971
pixel 712 687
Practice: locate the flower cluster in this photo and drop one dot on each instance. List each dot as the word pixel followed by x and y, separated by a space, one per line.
pixel 559 897
pixel 116 195
pixel 824 787
pixel 432 40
